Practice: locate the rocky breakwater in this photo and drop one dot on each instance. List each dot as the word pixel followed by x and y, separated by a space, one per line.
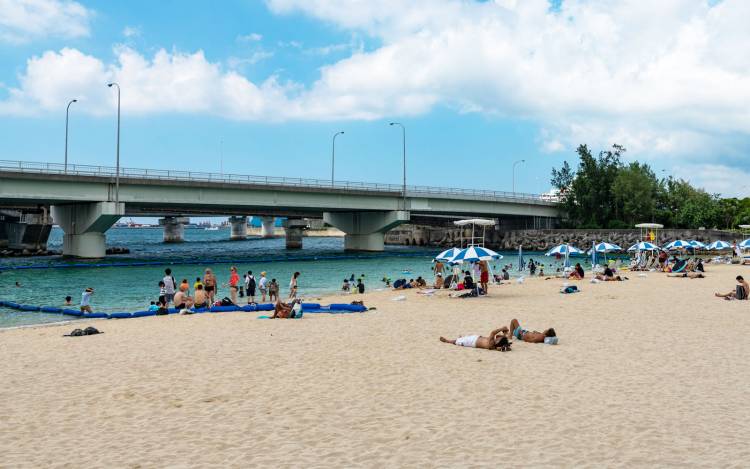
pixel 542 240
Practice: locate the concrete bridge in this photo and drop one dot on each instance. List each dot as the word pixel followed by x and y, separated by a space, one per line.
pixel 85 201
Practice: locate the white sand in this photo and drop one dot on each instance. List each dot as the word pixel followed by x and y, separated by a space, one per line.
pixel 650 372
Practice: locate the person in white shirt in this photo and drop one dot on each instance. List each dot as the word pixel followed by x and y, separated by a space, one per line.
pixel 169 287
pixel 262 286
pixel 86 300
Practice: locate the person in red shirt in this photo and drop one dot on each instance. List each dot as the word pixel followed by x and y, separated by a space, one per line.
pixel 234 282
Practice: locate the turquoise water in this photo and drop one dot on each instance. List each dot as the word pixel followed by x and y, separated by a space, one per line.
pixel 322 262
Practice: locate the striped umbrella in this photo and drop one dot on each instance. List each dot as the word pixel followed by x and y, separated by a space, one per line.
pixel 745 244
pixel 476 254
pixel 643 246
pixel 719 245
pixel 607 247
pixel 447 255
pixel 678 244
pixel 563 249
pixel 697 244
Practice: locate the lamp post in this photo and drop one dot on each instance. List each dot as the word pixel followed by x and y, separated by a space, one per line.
pixel 403 135
pixel 514 174
pixel 333 153
pixel 117 173
pixel 67 115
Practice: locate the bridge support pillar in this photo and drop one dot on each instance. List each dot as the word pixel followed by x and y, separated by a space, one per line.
pixel 365 231
pixel 174 228
pixel 27 232
pixel 294 229
pixel 266 227
pixel 238 228
pixel 84 226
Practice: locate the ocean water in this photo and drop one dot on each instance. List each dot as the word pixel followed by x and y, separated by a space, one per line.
pixel 121 286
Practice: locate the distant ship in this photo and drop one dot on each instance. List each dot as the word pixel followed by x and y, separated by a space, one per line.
pixel 211 228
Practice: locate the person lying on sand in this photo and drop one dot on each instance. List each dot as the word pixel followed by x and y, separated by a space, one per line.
pixel 535 337
pixel 495 340
pixel 741 292
pixel 687 275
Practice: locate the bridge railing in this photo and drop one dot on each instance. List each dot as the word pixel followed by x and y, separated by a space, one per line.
pixel 225 178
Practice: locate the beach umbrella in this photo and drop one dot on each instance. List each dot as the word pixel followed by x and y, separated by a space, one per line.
pixel 592 251
pixel 447 255
pixel 476 254
pixel 697 244
pixel 563 250
pixel 643 246
pixel 678 244
pixel 521 264
pixel 745 244
pixel 719 245
pixel 606 247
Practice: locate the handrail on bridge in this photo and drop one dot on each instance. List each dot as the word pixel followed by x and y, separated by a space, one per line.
pixel 202 176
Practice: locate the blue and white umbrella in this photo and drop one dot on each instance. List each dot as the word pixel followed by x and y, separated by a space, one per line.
pixel 607 247
pixel 563 250
pixel 745 244
pixel 447 255
pixel 697 244
pixel 719 245
pixel 678 244
pixel 476 254
pixel 643 246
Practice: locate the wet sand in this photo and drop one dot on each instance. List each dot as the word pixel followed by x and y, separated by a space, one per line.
pixel 650 372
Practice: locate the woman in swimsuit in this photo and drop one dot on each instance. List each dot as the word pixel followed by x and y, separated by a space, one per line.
pixel 293 286
pixel 209 283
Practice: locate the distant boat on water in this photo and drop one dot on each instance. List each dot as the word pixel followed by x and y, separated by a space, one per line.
pixel 212 228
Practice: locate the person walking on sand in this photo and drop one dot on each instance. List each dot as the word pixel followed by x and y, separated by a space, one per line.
pixel 209 284
pixel 86 300
pixel 497 339
pixel 263 286
pixel 293 286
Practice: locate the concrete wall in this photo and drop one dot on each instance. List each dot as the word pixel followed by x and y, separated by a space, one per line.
pixel 541 240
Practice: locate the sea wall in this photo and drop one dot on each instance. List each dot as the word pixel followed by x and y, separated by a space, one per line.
pixel 541 240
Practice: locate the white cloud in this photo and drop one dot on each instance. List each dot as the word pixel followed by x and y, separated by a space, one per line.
pixel 24 20
pixel 252 37
pixel 131 31
pixel 167 82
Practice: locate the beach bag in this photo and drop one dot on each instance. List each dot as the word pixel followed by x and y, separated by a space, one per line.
pixel 226 302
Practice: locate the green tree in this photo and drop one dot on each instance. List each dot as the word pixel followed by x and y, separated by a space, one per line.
pixel 636 191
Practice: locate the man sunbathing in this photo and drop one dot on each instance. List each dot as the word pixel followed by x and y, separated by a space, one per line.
pixel 741 292
pixel 496 340
pixel 687 275
pixel 608 276
pixel 535 337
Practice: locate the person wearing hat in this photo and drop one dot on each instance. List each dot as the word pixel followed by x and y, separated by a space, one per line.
pixel 86 300
pixel 262 285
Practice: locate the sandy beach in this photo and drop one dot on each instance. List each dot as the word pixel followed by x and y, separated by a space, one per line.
pixel 650 372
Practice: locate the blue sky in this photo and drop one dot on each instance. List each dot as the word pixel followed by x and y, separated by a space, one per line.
pixel 477 84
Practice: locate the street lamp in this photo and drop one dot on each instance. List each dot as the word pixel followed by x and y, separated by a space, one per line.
pixel 117 173
pixel 403 134
pixel 514 174
pixel 333 153
pixel 67 114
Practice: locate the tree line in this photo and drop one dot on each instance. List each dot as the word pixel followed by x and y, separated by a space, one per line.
pixel 603 192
